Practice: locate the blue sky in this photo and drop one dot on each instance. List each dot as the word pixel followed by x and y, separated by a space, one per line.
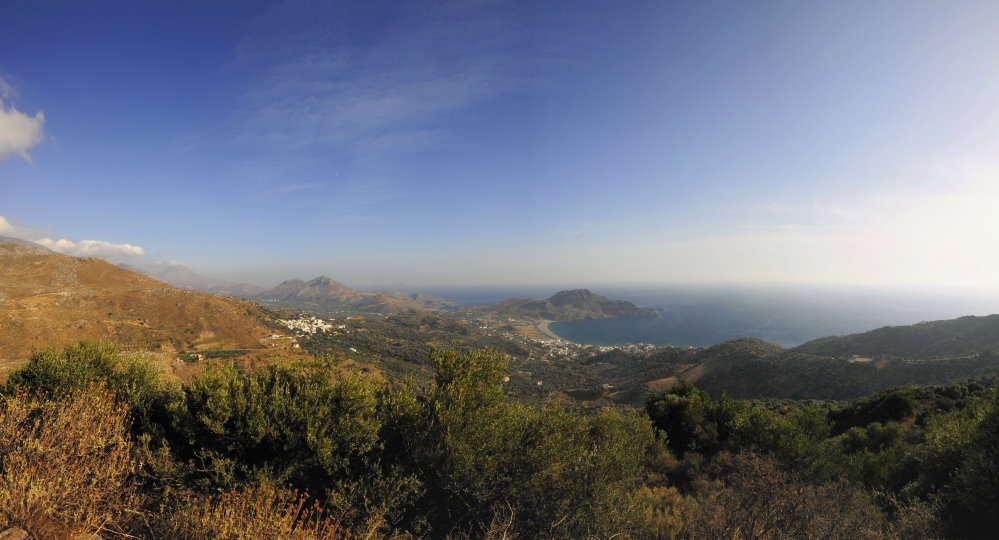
pixel 466 142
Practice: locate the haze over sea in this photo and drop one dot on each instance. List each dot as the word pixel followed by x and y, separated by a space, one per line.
pixel 706 315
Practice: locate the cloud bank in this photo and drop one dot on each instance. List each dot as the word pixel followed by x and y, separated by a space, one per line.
pixel 939 230
pixel 91 248
pixel 18 131
pixel 9 229
pixel 83 248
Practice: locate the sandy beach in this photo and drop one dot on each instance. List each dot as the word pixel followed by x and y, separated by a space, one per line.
pixel 543 328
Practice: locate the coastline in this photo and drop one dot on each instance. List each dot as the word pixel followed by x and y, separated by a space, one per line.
pixel 543 328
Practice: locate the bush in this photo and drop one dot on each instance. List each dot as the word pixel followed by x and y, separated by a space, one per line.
pixel 53 370
pixel 760 500
pixel 691 421
pixel 262 512
pixel 973 498
pixel 65 464
pixel 290 424
pixel 539 473
pixel 131 378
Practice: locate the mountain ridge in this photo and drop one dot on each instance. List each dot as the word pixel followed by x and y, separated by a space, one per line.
pixel 850 366
pixel 931 339
pixel 326 294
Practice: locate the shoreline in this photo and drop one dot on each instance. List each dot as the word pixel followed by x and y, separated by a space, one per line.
pixel 543 328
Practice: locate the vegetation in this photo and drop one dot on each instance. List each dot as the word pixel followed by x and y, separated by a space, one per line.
pixel 92 440
pixel 65 462
pixel 590 378
pixel 965 336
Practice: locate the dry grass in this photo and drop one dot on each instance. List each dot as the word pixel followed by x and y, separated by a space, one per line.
pixel 261 512
pixel 65 464
pixel 664 512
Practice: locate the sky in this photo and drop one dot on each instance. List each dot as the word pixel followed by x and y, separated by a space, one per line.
pixel 468 142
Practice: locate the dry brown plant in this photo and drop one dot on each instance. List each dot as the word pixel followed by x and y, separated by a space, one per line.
pixel 65 464
pixel 664 512
pixel 262 512
pixel 760 501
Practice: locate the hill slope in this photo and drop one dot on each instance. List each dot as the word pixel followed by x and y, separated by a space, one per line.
pixel 936 339
pixel 846 367
pixel 47 299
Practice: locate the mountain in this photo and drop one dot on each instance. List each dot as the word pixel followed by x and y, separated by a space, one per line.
pixel 48 299
pixel 327 295
pixel 181 276
pixel 565 306
pixel 242 290
pixel 847 367
pixel 175 274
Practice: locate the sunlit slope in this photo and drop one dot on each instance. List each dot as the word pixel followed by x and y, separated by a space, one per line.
pixel 48 299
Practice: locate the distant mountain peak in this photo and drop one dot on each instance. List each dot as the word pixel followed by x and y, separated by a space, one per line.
pixel 324 281
pixel 326 294
pixel 571 296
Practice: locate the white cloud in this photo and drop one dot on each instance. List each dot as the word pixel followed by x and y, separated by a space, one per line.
pixel 6 90
pixel 83 248
pixel 91 248
pixel 18 131
pixel 379 94
pixel 9 229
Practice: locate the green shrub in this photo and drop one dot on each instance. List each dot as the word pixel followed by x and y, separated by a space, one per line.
pixel 551 472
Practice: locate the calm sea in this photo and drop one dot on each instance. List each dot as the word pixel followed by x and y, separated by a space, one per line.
pixel 702 316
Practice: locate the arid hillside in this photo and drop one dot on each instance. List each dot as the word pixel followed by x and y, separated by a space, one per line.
pixel 47 299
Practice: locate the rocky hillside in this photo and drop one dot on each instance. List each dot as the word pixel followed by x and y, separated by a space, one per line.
pixel 47 299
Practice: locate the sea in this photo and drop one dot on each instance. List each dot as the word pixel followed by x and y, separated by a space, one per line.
pixel 699 316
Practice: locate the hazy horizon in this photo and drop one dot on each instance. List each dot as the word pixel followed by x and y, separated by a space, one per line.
pixel 846 143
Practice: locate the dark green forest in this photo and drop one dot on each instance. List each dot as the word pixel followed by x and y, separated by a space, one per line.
pixel 294 451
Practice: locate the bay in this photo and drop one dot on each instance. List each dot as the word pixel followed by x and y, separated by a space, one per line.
pixel 789 316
